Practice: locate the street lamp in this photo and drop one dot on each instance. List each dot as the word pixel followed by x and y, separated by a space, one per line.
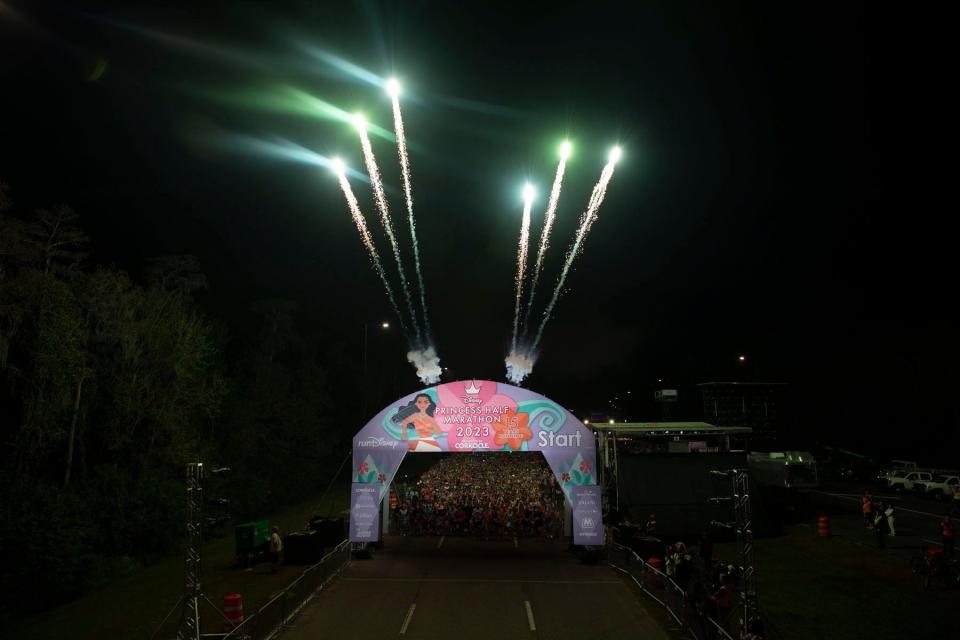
pixel 363 384
pixel 756 366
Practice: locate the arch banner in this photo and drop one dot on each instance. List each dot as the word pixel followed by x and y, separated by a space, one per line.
pixel 465 417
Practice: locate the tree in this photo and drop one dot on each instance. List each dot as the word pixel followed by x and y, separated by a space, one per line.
pixel 55 239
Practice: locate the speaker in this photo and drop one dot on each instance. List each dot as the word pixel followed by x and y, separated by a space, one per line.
pixel 331 531
pixel 302 547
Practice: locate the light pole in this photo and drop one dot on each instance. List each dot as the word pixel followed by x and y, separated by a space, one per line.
pixel 363 383
pixel 756 366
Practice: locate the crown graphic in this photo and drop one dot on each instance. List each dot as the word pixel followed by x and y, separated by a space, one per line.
pixel 473 389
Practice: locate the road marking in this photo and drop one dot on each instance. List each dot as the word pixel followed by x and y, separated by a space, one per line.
pixel 515 545
pixel 533 625
pixel 842 495
pixel 440 544
pixel 403 629
pixel 483 580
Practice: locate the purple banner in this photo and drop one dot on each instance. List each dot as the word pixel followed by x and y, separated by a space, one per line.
pixel 365 513
pixel 587 516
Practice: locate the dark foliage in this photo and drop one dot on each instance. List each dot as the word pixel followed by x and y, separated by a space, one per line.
pixel 109 385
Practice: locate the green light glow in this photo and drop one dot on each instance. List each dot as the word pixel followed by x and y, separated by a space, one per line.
pixel 287 99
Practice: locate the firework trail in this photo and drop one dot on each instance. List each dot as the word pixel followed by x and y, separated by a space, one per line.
pixel 586 221
pixel 380 197
pixel 361 223
pixel 548 219
pixel 522 257
pixel 393 88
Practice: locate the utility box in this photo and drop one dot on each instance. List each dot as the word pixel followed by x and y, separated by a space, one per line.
pixel 253 541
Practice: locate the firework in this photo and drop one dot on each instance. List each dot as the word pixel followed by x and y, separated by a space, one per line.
pixel 586 221
pixel 393 89
pixel 380 198
pixel 338 167
pixel 548 217
pixel 522 256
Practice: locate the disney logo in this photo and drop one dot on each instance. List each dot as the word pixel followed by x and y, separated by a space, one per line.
pixel 376 442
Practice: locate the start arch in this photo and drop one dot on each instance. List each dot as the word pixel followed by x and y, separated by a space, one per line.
pixel 468 416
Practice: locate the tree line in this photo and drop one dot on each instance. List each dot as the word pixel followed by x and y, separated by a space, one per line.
pixel 110 384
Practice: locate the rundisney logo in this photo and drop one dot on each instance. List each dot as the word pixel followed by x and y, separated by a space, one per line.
pixel 376 443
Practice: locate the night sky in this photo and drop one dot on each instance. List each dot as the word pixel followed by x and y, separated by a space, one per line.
pixel 741 220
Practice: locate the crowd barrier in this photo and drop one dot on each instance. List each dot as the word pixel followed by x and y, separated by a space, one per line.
pixel 657 585
pixel 272 617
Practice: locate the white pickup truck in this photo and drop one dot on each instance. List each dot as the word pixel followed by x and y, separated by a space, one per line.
pixel 898 468
pixel 940 487
pixel 911 481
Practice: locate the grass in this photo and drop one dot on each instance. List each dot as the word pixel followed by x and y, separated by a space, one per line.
pixel 132 608
pixel 829 588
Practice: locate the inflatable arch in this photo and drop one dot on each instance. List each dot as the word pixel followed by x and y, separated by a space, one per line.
pixel 469 416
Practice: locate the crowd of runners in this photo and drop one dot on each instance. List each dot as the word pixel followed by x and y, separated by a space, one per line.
pixel 488 495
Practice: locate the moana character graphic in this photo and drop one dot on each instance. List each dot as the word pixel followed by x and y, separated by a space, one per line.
pixel 423 423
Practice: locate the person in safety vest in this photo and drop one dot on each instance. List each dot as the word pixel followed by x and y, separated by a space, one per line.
pixel 947 535
pixel 867 507
pixel 683 564
pixel 669 561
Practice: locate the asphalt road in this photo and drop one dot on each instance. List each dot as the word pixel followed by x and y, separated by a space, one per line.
pixel 917 520
pixel 467 588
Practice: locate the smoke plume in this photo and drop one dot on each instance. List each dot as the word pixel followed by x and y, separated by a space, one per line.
pixel 427 363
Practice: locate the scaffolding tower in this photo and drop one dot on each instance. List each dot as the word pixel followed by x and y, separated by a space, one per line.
pixel 743 525
pixel 190 619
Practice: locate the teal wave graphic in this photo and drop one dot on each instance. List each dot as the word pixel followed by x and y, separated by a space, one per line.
pixel 545 416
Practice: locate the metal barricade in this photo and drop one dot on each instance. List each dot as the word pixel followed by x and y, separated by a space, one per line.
pixel 696 622
pixel 278 612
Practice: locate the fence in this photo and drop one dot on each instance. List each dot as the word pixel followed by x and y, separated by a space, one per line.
pixel 657 585
pixel 276 614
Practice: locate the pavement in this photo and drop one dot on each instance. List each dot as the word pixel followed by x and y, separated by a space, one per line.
pixel 916 519
pixel 462 588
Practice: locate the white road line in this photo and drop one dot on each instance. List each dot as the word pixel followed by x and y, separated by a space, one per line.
pixel 484 580
pixel 899 508
pixel 403 629
pixel 515 545
pixel 533 625
pixel 440 544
